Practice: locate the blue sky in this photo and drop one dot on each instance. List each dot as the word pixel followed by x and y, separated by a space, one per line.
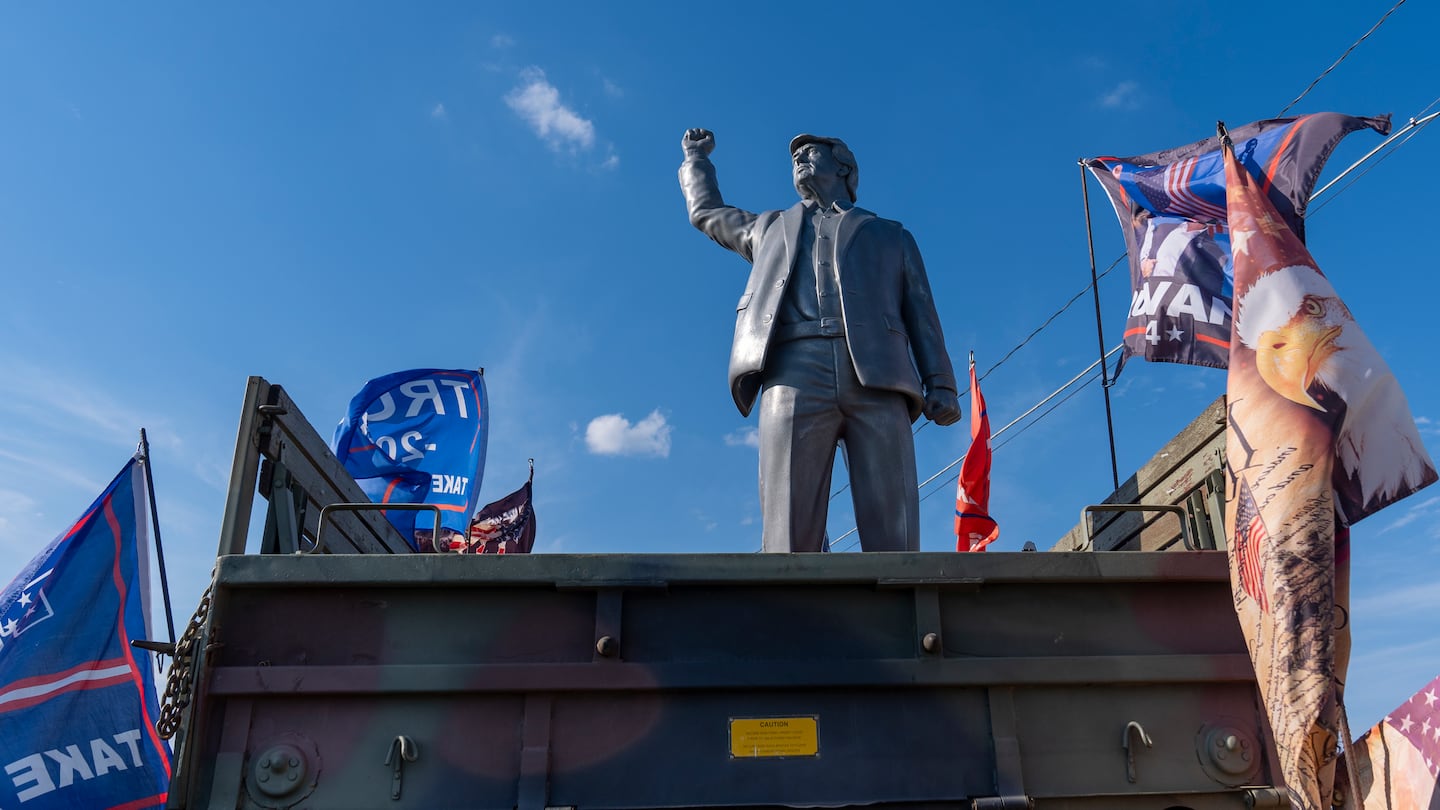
pixel 325 192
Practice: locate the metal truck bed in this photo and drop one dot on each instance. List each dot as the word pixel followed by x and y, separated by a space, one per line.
pixel 1066 680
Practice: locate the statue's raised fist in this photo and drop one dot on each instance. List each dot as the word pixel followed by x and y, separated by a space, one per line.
pixel 698 141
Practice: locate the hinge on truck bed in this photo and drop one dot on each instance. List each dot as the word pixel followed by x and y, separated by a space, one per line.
pixel 1003 803
pixel 1264 798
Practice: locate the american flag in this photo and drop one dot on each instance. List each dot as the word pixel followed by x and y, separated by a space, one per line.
pixel 1418 720
pixel 1250 537
pixel 1175 190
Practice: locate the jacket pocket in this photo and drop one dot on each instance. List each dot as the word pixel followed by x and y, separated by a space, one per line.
pixel 744 302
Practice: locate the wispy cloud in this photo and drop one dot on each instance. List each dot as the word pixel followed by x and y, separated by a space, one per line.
pixel 439 113
pixel 501 41
pixel 612 89
pixel 613 435
pixel 1124 96
pixel 707 522
pixel 538 104
pixel 1423 599
pixel 1426 509
pixel 744 437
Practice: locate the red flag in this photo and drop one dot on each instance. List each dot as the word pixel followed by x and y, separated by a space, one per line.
pixel 974 528
pixel 1398 760
pixel 1319 437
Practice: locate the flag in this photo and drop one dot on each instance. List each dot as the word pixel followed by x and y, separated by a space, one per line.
pixel 78 703
pixel 418 437
pixel 974 528
pixel 1171 206
pixel 1398 760
pixel 1319 437
pixel 506 526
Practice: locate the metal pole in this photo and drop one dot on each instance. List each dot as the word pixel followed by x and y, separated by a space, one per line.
pixel 1352 769
pixel 155 525
pixel 1099 328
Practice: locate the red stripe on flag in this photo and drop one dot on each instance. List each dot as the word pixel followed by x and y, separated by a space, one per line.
pixel 135 677
pixel 1279 153
pixel 40 688
pixel 149 801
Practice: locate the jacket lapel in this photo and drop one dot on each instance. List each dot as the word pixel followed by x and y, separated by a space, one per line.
pixel 850 224
pixel 790 220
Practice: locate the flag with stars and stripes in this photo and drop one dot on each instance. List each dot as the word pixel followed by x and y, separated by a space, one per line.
pixel 1398 760
pixel 1250 538
pixel 1171 206
pixel 77 702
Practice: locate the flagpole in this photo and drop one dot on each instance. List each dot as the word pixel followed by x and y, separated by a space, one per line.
pixel 1099 327
pixel 1352 768
pixel 155 524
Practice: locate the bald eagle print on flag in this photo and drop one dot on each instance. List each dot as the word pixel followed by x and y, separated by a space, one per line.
pixel 1319 437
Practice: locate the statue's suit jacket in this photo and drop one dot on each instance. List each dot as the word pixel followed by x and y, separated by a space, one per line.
pixel 888 310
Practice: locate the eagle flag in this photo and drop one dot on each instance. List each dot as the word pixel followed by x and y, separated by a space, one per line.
pixel 1171 206
pixel 1398 759
pixel 419 437
pixel 78 703
pixel 974 528
pixel 1319 436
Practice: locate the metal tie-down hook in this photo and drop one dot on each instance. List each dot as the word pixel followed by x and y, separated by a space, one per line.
pixel 1130 753
pixel 408 752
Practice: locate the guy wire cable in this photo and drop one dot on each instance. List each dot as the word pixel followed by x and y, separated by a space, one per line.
pixel 1326 72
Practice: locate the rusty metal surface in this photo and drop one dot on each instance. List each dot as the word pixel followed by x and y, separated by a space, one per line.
pixel 493 668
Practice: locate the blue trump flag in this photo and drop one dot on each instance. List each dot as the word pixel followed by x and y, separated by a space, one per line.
pixel 419 437
pixel 77 702
pixel 1171 206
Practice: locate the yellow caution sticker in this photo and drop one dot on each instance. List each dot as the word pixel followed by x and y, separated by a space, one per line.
pixel 756 737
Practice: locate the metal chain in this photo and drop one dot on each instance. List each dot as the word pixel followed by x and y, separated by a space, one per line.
pixel 181 682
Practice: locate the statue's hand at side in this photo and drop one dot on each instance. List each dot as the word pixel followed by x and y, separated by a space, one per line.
pixel 698 142
pixel 942 406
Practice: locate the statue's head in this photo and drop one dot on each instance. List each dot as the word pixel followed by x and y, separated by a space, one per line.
pixel 832 157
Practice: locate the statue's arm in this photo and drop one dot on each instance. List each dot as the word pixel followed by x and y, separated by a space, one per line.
pixel 927 340
pixel 731 227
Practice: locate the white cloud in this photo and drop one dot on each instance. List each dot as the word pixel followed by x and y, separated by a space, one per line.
pixel 611 88
pixel 1125 96
pixel 501 41
pixel 1413 600
pixel 613 435
pixel 744 437
pixel 537 102
pixel 1413 512
pixel 439 113
pixel 610 163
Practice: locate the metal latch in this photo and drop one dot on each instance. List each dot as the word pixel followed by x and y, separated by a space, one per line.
pixel 1132 728
pixel 402 750
pixel 1003 803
